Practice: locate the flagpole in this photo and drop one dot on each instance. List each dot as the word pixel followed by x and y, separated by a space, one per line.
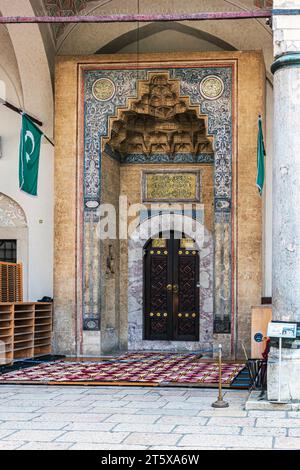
pixel 50 141
pixel 261 153
pixel 20 111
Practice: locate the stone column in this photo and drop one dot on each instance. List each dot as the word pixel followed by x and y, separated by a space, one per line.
pixel 286 197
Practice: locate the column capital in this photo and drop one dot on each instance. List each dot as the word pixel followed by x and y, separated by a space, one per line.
pixel 286 28
pixel 286 60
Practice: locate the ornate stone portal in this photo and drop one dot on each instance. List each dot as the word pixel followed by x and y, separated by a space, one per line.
pixel 160 116
pixel 96 93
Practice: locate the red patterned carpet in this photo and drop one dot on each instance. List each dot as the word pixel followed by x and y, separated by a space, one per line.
pixel 131 368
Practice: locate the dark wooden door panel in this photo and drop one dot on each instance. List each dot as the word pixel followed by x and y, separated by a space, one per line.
pixel 171 293
pixel 158 275
pixel 186 316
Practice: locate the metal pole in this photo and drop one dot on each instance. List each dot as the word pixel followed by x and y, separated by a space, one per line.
pixel 19 111
pixel 220 403
pixel 142 18
pixel 220 374
pixel 279 370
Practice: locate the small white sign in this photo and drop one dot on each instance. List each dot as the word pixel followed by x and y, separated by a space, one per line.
pixel 282 330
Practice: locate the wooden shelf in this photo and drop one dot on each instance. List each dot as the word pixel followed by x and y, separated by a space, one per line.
pixel 43 329
pixel 11 282
pixel 24 340
pixel 5 319
pixel 23 323
pixel 25 330
pixel 22 333
pixel 47 340
pixel 42 341
pixel 6 333
pixel 24 348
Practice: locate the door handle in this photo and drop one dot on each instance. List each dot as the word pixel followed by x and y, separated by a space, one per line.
pixel 174 288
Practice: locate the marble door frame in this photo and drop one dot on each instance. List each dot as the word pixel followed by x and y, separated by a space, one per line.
pixel 136 243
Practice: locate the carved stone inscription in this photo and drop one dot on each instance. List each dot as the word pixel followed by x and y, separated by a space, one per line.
pixel 171 186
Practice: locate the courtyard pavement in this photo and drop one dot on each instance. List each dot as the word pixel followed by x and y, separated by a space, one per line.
pixel 115 418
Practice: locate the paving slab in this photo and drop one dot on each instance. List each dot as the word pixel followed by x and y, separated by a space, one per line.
pixel 215 441
pixel 230 421
pixel 185 420
pixel 278 423
pixel 18 416
pixel 231 430
pixel 79 417
pixel 247 431
pixel 33 435
pixel 88 446
pixel 18 409
pixel 11 445
pixel 100 437
pixel 287 443
pixel 46 446
pixel 293 414
pixel 267 414
pixel 294 432
pixel 168 412
pixel 89 427
pixel 149 439
pixel 33 425
pixel 256 402
pixel 123 418
pixel 226 412
pixel 148 428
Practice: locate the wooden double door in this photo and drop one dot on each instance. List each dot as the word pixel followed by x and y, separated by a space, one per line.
pixel 171 290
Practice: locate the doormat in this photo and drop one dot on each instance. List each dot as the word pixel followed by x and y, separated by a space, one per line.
pixel 130 369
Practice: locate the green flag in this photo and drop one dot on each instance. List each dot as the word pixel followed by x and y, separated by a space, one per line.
pixel 30 146
pixel 260 180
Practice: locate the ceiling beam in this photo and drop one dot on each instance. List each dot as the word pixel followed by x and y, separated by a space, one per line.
pixel 145 18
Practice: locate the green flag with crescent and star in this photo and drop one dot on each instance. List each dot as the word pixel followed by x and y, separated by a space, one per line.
pixel 30 146
pixel 261 153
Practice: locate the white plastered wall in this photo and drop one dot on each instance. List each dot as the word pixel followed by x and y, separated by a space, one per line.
pixel 26 83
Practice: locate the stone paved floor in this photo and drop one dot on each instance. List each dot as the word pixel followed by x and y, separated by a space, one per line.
pixel 112 418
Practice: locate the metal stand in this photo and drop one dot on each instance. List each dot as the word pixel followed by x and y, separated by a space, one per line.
pixel 279 401
pixel 220 403
pixel 279 370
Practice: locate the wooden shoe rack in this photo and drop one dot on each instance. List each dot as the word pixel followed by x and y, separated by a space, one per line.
pixel 25 330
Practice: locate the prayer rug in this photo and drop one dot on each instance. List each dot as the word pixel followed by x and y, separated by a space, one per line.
pixel 143 368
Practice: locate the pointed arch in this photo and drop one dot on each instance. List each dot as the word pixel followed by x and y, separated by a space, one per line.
pixel 11 213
